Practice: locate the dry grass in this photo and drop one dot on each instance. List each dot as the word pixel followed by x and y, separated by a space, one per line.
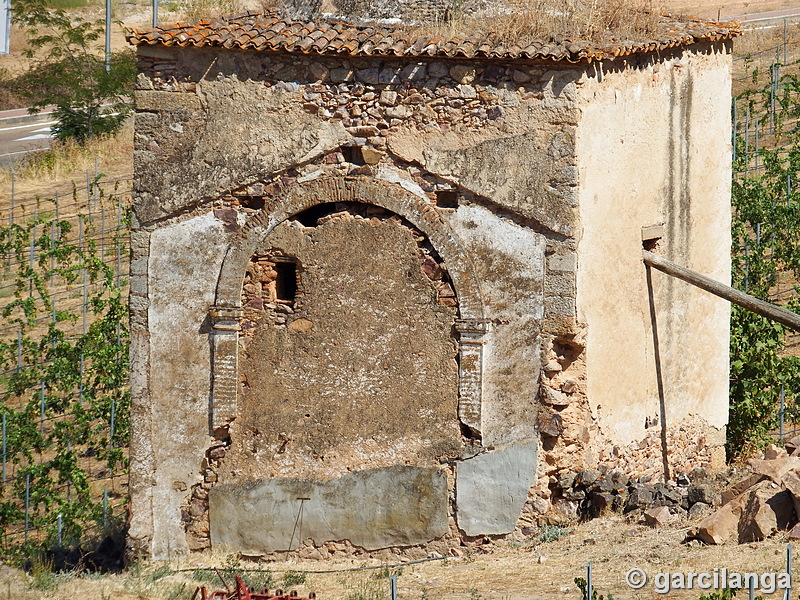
pixel 43 173
pixel 525 570
pixel 520 20
pixel 207 9
pixel 573 19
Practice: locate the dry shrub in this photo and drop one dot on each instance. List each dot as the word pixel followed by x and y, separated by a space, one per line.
pixel 756 41
pixel 525 20
pixel 210 9
pixel 504 22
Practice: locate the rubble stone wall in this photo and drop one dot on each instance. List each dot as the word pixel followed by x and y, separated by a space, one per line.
pixel 454 186
pixel 639 403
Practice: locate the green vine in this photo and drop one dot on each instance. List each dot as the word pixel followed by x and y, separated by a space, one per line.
pixel 64 388
pixel 766 245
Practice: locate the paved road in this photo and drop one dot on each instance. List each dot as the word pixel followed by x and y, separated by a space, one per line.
pixel 21 133
pixel 768 17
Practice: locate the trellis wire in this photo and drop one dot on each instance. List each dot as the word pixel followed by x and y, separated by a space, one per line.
pixel 110 241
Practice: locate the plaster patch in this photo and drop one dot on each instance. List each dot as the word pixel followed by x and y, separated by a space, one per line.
pixel 376 508
pixel 491 489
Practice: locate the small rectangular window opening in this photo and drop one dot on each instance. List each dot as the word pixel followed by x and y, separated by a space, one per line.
pixel 353 155
pixel 447 198
pixel 286 282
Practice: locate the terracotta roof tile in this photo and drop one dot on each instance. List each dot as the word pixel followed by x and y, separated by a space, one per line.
pixel 270 32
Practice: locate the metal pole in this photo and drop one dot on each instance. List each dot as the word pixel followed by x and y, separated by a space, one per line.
pixel 735 125
pixel 10 238
pixel 27 503
pixel 19 349
pixel 747 138
pixel 105 507
pixel 5 35
pixel 69 482
pixel 787 593
pixel 108 36
pixel 102 234
pixel 52 250
pixel 119 241
pixel 88 194
pixel 111 428
pixel 589 580
pixel 393 586
pixel 85 300
pixel 41 411
pixel 60 527
pixel 155 13
pixel 32 255
pixel 4 449
pixel 757 124
pixel 772 96
pixel 783 399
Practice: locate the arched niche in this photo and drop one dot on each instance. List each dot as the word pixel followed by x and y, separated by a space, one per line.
pixel 225 314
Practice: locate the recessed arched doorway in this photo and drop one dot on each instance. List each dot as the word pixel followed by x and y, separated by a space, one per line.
pixel 350 358
pixel 346 353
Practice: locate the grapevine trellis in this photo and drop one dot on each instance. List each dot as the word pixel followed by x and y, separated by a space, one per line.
pixel 63 365
pixel 765 379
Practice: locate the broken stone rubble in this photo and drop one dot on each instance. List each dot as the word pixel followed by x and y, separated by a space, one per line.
pixel 758 506
pixel 594 492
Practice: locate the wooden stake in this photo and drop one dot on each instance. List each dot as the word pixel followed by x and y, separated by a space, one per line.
pixel 751 303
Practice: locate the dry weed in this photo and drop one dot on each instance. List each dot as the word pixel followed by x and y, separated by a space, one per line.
pixel 41 171
pixel 574 19
pixel 514 20
pixel 209 9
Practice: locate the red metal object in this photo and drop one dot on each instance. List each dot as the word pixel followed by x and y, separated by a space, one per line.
pixel 242 592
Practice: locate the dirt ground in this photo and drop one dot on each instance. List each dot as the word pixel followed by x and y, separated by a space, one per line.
pixel 726 9
pixel 525 569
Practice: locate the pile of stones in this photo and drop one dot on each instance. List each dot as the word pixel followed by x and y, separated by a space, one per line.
pixel 594 492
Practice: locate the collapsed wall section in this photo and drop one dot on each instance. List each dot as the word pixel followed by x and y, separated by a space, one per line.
pixel 654 369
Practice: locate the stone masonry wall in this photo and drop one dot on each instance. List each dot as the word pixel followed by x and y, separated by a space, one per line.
pixel 488 151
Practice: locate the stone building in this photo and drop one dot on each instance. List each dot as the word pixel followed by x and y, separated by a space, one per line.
pixel 384 289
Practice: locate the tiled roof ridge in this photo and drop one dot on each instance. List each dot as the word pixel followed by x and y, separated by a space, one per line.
pixel 269 31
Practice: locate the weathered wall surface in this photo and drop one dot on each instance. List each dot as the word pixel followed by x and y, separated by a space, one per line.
pixel 361 374
pixel 184 258
pixel 510 267
pixel 371 508
pixel 632 177
pixel 497 295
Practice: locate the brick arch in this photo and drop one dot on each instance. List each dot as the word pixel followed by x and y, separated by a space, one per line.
pixel 298 197
pixel 302 196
